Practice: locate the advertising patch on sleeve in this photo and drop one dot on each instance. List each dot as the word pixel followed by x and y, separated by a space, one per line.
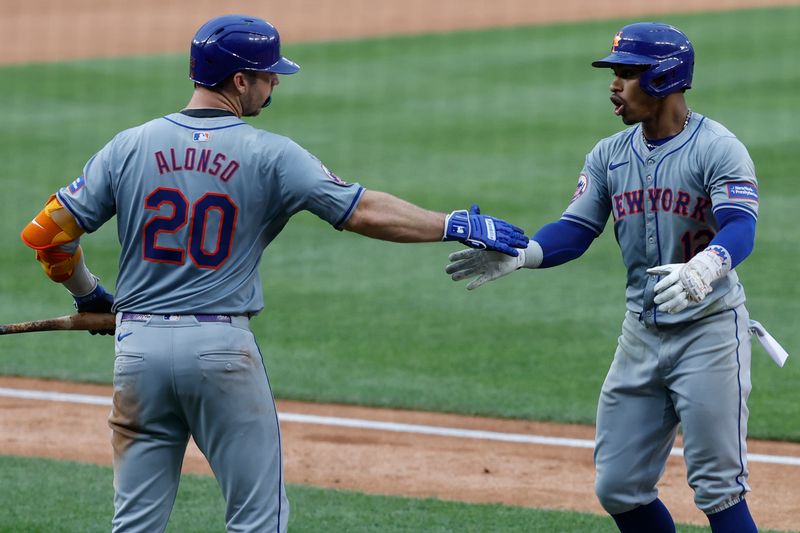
pixel 743 191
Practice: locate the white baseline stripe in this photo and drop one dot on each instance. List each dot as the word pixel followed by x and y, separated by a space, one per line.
pixel 389 426
pixel 435 430
pixel 54 396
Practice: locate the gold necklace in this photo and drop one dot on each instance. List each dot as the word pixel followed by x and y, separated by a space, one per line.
pixel 651 146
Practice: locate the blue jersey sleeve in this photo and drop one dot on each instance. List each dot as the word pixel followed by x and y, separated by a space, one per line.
pixel 737 233
pixel 563 241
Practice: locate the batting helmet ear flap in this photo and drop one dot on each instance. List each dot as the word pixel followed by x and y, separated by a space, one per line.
pixel 668 76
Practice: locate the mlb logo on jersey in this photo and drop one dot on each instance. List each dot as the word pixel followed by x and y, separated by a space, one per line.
pixel 77 185
pixel 743 191
pixel 200 136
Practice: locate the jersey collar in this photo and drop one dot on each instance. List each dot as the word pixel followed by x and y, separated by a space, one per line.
pixel 207 113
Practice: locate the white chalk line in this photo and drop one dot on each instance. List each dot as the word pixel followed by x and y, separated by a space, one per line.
pixel 389 426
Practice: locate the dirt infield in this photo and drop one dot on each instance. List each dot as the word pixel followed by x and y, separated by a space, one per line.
pixel 402 463
pixel 48 30
pixel 368 460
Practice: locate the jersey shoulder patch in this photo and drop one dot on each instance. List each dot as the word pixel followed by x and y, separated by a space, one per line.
pixel 77 184
pixel 743 191
pixel 581 188
pixel 333 177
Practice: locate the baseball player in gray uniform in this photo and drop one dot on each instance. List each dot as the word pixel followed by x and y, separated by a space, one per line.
pixel 682 192
pixel 198 196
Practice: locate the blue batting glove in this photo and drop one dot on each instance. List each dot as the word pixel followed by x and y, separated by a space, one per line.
pixel 484 232
pixel 97 301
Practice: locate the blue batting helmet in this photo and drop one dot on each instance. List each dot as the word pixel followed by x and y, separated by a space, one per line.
pixel 232 43
pixel 663 48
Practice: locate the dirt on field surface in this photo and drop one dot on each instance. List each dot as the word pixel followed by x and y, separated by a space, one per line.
pixel 52 30
pixel 556 476
pixel 368 460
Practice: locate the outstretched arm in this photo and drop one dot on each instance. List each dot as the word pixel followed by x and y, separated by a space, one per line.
pixel 563 241
pixel 382 216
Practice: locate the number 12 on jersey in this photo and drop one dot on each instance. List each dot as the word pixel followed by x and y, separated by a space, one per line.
pixel 198 221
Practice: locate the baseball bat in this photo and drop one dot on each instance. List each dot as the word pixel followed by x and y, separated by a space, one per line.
pixel 78 321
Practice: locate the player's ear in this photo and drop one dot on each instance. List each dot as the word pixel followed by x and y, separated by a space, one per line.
pixel 240 82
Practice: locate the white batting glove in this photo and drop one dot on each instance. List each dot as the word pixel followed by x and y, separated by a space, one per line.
pixel 487 266
pixel 671 296
pixel 687 283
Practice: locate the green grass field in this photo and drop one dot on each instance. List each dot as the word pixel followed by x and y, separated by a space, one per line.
pixel 199 508
pixel 500 117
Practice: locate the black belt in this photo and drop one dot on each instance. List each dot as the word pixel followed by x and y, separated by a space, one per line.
pixel 144 317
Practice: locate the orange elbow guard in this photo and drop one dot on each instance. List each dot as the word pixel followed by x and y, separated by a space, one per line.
pixel 53 226
pixel 52 234
pixel 58 264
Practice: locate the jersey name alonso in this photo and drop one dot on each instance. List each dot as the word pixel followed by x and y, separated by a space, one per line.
pixel 662 202
pixel 197 200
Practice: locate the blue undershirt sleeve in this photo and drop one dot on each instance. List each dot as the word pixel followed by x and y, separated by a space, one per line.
pixel 737 233
pixel 563 241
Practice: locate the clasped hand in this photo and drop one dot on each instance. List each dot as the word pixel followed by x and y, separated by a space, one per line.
pixel 484 232
pixel 485 266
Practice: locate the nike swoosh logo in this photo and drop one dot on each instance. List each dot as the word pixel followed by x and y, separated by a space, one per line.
pixel 123 335
pixel 612 166
pixel 36 223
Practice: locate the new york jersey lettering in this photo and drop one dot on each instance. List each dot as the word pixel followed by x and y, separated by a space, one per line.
pixel 660 200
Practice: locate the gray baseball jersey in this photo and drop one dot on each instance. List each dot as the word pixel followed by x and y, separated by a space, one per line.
pixel 692 367
pixel 198 196
pixel 663 201
pixel 197 201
